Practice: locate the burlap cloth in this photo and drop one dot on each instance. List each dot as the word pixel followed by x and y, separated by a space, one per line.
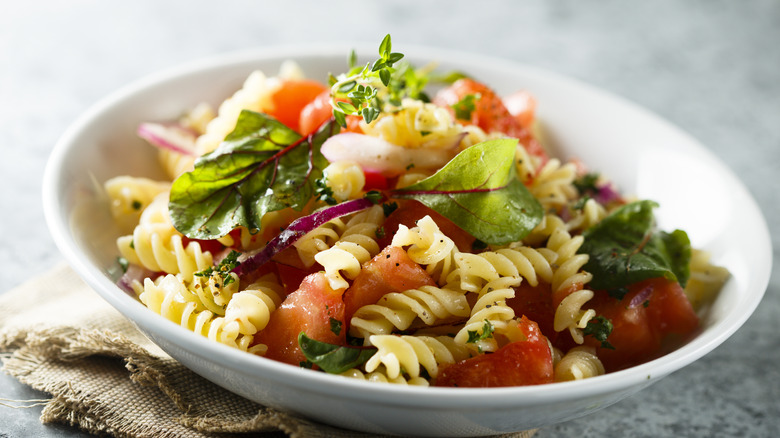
pixel 106 378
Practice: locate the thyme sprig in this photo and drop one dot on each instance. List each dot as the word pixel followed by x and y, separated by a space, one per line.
pixel 355 92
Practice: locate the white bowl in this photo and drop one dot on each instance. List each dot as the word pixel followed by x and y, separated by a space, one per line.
pixel 643 154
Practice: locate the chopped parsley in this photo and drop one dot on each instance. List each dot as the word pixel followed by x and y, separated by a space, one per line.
pixel 465 106
pixel 486 333
pixel 335 326
pixel 599 328
pixel 223 269
pixel 323 192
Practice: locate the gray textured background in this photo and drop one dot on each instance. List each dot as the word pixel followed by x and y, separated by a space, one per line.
pixel 710 67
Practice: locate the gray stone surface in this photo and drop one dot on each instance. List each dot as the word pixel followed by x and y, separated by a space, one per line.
pixel 710 67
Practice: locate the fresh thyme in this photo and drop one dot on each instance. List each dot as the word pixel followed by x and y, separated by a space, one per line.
pixel 355 92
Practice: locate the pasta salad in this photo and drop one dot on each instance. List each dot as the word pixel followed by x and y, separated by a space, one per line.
pixel 397 224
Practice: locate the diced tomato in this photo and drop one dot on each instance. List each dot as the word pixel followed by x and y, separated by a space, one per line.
pixel 291 98
pixel 409 212
pixel 389 271
pixel 669 309
pixel 522 106
pixel 374 180
pixel 319 111
pixel 653 318
pixel 535 303
pixel 315 113
pixel 489 113
pixel 520 363
pixel 314 309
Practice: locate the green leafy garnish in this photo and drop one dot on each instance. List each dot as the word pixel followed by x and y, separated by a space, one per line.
pixel 323 192
pixel 389 207
pixel 465 106
pixel 625 248
pixel 479 192
pixel 223 269
pixel 335 326
pixel 599 328
pixel 359 86
pixel 587 183
pixel 334 359
pixel 476 335
pixel 262 166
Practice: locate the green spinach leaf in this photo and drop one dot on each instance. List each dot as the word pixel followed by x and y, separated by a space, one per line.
pixel 331 358
pixel 262 166
pixel 479 191
pixel 625 248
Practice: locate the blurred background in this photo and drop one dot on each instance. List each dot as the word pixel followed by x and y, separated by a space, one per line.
pixel 710 67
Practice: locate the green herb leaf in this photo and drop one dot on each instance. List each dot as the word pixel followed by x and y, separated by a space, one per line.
pixel 625 248
pixel 262 166
pixel 465 106
pixel 385 46
pixel 331 358
pixel 599 328
pixel 486 333
pixel 335 326
pixel 223 269
pixel 479 191
pixel 587 183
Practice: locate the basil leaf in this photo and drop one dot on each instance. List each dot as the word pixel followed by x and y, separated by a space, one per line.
pixel 334 359
pixel 625 248
pixel 479 191
pixel 262 166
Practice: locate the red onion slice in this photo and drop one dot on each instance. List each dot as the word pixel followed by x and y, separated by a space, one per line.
pixel 173 137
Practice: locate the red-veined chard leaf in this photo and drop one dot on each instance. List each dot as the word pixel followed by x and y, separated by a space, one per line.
pixel 625 248
pixel 260 167
pixel 479 191
pixel 331 358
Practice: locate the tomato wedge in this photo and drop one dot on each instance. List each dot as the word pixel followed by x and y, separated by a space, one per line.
pixel 489 113
pixel 314 309
pixel 653 318
pixel 389 271
pixel 520 363
pixel 291 98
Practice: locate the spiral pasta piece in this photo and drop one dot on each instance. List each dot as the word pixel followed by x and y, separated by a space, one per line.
pixel 380 375
pixel 398 310
pixel 409 353
pixel 570 314
pixel 578 363
pixel 345 178
pixel 553 185
pixel 157 246
pixel 568 275
pixel 428 247
pixel 490 310
pixel 170 298
pixel 705 280
pixel 415 124
pixel 318 239
pixel 590 214
pixel 522 261
pixel 356 246
pixel 128 196
pixel 251 308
